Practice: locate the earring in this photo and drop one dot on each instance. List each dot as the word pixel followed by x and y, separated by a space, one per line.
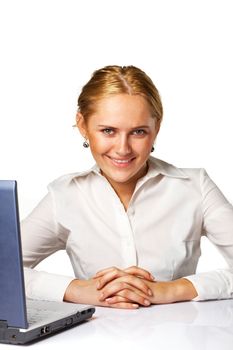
pixel 85 144
pixel 152 149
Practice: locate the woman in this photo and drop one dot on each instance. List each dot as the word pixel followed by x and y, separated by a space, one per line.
pixel 132 224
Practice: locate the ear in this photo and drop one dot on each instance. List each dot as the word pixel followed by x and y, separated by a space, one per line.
pixel 81 124
pixel 157 127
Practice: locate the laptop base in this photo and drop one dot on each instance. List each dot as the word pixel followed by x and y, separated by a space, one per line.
pixel 11 335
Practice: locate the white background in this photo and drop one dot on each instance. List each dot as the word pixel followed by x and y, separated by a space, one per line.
pixel 49 48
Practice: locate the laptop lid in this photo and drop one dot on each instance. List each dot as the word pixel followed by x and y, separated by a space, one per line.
pixel 12 292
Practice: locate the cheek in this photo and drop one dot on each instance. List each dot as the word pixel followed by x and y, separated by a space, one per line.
pixel 99 144
pixel 145 145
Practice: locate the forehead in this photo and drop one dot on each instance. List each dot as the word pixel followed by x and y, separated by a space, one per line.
pixel 129 109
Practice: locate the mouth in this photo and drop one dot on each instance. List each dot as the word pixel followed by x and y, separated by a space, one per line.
pixel 121 163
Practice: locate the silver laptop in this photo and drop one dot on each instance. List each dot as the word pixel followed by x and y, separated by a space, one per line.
pixel 22 320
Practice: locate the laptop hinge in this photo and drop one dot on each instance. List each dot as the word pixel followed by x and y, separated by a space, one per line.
pixel 3 324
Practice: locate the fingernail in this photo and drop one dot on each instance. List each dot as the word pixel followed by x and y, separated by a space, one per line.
pixel 146 302
pixel 150 292
pixel 135 306
pixel 152 277
pixel 98 285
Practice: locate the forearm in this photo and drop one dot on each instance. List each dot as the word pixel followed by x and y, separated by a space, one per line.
pixel 172 291
pixel 184 290
pixel 213 285
pixel 81 292
pixel 44 285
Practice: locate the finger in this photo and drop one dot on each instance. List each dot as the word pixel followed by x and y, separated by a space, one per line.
pixel 130 296
pixel 116 287
pixel 104 271
pixel 124 305
pixel 138 271
pixel 137 283
pixel 110 276
pixel 121 303
pixel 135 270
pixel 117 299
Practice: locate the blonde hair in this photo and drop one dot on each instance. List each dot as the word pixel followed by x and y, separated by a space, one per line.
pixel 112 80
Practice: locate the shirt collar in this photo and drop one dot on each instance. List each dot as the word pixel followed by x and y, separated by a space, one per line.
pixel 158 166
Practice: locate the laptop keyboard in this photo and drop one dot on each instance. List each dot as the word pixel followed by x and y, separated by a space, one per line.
pixel 40 311
pixel 34 318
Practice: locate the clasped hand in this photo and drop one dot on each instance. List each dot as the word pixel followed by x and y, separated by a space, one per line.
pixel 112 287
pixel 128 289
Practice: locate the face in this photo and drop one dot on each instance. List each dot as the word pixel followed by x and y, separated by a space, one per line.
pixel 121 134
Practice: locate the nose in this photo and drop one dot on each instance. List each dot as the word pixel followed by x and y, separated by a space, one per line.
pixel 123 146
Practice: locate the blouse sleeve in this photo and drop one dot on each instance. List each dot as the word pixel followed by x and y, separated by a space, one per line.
pixel 41 237
pixel 218 227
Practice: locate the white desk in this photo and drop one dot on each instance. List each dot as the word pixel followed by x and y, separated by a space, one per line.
pixel 188 325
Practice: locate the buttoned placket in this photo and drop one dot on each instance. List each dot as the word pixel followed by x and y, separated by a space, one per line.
pixel 124 227
pixel 124 221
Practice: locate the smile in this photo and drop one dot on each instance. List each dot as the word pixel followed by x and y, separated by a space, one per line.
pixel 121 162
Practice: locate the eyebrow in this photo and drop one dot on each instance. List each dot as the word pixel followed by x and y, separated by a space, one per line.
pixel 136 127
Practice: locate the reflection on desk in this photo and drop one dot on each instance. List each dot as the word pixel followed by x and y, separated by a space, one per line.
pixel 187 325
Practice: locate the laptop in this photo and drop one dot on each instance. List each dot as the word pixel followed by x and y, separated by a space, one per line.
pixel 25 320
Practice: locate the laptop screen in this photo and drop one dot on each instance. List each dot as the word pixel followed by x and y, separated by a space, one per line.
pixel 12 292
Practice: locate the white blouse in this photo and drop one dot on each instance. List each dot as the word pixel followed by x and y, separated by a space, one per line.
pixel 169 211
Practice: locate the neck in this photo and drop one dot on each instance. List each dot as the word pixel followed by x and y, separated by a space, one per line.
pixel 125 190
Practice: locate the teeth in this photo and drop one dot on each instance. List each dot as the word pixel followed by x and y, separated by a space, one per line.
pixel 121 160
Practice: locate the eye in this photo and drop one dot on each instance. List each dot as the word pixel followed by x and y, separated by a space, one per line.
pixel 107 131
pixel 139 132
